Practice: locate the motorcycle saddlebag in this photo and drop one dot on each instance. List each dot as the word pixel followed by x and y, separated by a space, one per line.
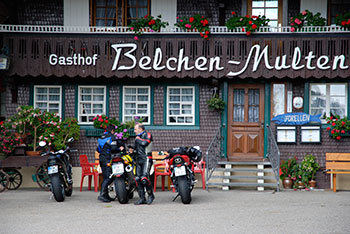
pixel 178 150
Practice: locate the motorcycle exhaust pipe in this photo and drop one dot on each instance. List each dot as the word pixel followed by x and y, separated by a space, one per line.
pixel 128 168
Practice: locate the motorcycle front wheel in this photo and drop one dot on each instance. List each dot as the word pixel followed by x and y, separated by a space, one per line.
pixel 184 190
pixel 120 189
pixel 57 188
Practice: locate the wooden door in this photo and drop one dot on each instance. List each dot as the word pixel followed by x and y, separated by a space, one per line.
pixel 245 122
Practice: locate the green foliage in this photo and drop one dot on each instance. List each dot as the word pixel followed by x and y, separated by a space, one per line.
pixel 343 20
pixel 36 126
pixel 121 130
pixel 247 23
pixel 8 139
pixel 338 126
pixel 197 23
pixel 216 103
pixel 288 168
pixel 148 23
pixel 309 166
pixel 306 18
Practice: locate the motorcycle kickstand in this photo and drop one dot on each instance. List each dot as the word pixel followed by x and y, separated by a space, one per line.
pixel 177 195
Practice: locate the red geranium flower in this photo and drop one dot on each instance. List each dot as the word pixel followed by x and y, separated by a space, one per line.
pixel 254 26
pixel 333 124
pixel 338 137
pixel 248 33
pixel 233 13
pixel 328 128
pixel 191 19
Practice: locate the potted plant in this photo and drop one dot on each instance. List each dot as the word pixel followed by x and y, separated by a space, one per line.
pixel 32 123
pixel 338 126
pixel 148 23
pixel 197 23
pixel 216 103
pixel 65 130
pixel 343 20
pixel 306 18
pixel 309 166
pixel 246 23
pixel 121 130
pixel 8 140
pixel 288 171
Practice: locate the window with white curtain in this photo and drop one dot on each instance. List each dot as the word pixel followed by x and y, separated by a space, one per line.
pixel 92 102
pixel 136 103
pixel 48 98
pixel 328 98
pixel 180 105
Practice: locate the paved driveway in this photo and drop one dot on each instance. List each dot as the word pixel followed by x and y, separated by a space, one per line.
pixel 32 211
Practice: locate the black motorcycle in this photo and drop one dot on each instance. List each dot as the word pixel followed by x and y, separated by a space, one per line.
pixel 59 171
pixel 123 173
pixel 181 167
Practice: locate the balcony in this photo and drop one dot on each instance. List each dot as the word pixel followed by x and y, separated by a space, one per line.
pixel 98 52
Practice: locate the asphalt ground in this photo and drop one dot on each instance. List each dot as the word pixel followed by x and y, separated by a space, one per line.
pixel 236 211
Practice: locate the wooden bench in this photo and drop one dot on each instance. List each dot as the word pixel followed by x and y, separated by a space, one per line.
pixel 337 163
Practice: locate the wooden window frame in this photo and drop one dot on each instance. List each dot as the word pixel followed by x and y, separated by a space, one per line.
pixel 126 8
pixel 138 102
pixel 280 10
pixel 93 14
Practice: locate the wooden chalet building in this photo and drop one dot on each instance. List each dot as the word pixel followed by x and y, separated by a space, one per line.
pixel 82 52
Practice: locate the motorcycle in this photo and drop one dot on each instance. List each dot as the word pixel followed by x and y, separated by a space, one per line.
pixel 123 172
pixel 59 171
pixel 181 167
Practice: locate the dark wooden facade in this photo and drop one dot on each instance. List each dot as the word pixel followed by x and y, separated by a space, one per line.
pixel 29 54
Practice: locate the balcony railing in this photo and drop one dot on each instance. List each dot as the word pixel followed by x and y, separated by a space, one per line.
pixel 168 30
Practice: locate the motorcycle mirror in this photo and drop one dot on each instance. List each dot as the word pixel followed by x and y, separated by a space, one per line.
pixel 70 140
pixel 42 143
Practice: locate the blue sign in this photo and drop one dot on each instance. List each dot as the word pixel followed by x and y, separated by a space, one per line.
pixel 296 119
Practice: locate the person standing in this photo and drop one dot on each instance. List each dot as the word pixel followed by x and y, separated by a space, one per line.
pixel 143 149
pixel 107 144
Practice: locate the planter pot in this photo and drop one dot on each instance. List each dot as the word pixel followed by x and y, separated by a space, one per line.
pixel 2 156
pixel 287 183
pixel 33 153
pixel 312 183
pixel 300 185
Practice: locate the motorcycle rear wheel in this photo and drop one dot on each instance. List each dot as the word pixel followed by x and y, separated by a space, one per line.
pixel 57 188
pixel 184 190
pixel 120 189
pixel 69 190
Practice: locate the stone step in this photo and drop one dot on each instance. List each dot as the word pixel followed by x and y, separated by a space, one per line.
pixel 244 163
pixel 240 184
pixel 244 177
pixel 243 170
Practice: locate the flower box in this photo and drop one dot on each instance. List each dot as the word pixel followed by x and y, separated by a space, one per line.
pixel 99 132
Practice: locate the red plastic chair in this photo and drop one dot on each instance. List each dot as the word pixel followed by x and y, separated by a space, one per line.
pixel 199 167
pixel 88 170
pixel 161 169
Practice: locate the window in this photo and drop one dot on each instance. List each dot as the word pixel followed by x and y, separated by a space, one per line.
pixel 272 9
pixel 180 105
pixel 117 13
pixel 48 98
pixel 92 102
pixel 136 9
pixel 104 13
pixel 328 98
pixel 337 7
pixel 136 102
pixel 278 99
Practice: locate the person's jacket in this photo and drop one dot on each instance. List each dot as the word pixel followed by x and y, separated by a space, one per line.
pixel 143 144
pixel 108 145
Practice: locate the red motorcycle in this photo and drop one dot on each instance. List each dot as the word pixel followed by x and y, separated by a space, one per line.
pixel 180 164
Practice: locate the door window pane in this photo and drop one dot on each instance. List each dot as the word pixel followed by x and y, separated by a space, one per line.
pixel 253 105
pixel 238 105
